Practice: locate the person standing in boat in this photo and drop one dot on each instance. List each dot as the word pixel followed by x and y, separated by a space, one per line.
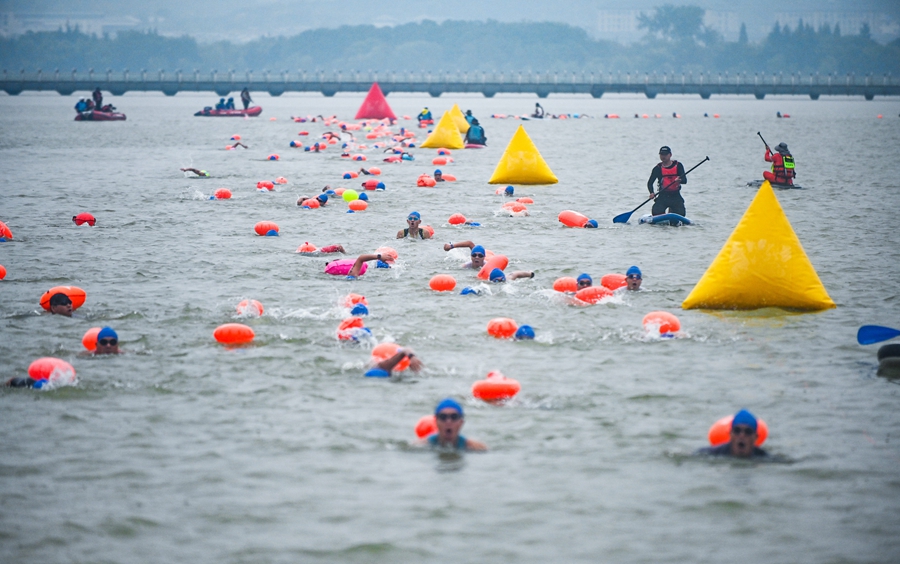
pixel 669 174
pixel 98 98
pixel 475 134
pixel 782 165
pixel 245 97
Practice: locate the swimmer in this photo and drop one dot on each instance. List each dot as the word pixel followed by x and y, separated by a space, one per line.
pixel 60 304
pixel 509 191
pixel 743 439
pixel 413 221
pixel 235 146
pixel 107 342
pixel 450 418
pixel 384 368
pixel 333 249
pixel 477 253
pixel 584 280
pixel 497 276
pixel 322 198
pixel 357 266
pixel 633 278
pixel 196 171
pixel 438 176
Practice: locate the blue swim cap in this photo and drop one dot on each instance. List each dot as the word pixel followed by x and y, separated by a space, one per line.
pixel 585 276
pixel 330 192
pixel 474 224
pixel 467 290
pixel 633 270
pixel 497 275
pixel 381 264
pixel 414 214
pixel 379 186
pixel 350 211
pixel 744 417
pixel 509 189
pixel 592 224
pixel 323 198
pixel 359 309
pixel 438 171
pixel 478 249
pixel 364 197
pixel 347 175
pixel 271 233
pixel 306 149
pixel 449 402
pixel 107 333
pixel 293 143
pixel 378 373
pixel 524 332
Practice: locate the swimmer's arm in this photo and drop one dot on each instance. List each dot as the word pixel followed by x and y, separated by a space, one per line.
pixel 426 234
pixel 475 445
pixel 389 363
pixel 520 274
pixel 400 234
pixel 357 266
pixel 656 174
pixel 194 170
pixel 468 244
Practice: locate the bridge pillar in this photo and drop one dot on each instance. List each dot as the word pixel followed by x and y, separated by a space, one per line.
pixel 117 91
pixel 222 91
pixel 759 95
pixel 328 92
pixel 813 96
pixel 12 91
pixel 649 94
pixel 488 93
pixel 705 94
pixel 597 91
pixel 435 93
pixel 542 93
pixel 67 91
pixel 869 96
pixel 169 91
pixel 276 91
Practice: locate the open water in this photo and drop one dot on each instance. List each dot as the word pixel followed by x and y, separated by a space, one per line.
pixel 184 451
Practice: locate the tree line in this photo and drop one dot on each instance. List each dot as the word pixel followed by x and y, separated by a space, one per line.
pixel 674 40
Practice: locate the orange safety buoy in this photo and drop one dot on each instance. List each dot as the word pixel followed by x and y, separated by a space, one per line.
pixel 348 328
pixel 525 200
pixel 613 281
pixel 457 219
pixel 441 160
pixel 426 181
pixel 250 307
pixel 273 156
pixel 720 432
pixel 496 261
pixel 495 387
pixel 565 284
pixel 502 327
pixel 306 248
pixel 52 369
pixel 571 218
pixel 442 283
pixel 266 185
pixel 661 321
pixel 83 218
pixel 515 207
pixel 358 157
pixel 444 152
pixel 281 180
pixel 5 232
pixel 448 177
pixel 427 425
pixel 76 294
pixel 233 334
pixel 384 351
pixel 264 227
pixel 89 341
pixel 312 203
pixel 375 170
pixel 222 194
pixel 339 191
pixel 2 272
pixel 593 294
pixel 358 205
pixel 352 299
pixel 429 229
pixel 351 174
pixel 235 137
pixel 388 254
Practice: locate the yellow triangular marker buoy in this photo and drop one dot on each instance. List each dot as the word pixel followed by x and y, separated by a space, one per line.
pixel 762 264
pixel 459 119
pixel 445 135
pixel 522 163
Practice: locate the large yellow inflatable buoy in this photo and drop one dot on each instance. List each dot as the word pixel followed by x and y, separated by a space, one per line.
pixel 445 135
pixel 762 264
pixel 522 163
pixel 459 119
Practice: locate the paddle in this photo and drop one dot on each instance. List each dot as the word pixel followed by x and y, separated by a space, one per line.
pixel 764 141
pixel 870 334
pixel 624 217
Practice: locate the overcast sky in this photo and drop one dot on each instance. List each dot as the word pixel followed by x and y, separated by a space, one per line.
pixel 242 20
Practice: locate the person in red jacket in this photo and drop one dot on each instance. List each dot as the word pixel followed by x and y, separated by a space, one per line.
pixel 782 166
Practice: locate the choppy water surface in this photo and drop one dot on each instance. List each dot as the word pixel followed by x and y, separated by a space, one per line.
pixel 184 451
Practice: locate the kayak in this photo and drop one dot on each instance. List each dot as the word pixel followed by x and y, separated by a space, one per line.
pixel 475 146
pixel 665 219
pixel 758 183
pixel 252 111
pixel 95 115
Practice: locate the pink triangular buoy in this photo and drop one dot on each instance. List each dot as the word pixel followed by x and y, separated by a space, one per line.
pixel 375 106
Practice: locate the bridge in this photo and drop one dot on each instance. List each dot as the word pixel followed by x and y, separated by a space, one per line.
pixel 650 84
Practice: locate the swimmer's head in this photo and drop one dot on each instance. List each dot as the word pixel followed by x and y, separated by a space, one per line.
pixel 323 198
pixel 59 299
pixel 743 434
pixel 364 197
pixel 413 217
pixel 584 280
pixel 451 404
pixel 438 172
pixel 633 278
pixel 633 271
pixel 744 417
pixel 524 332
pixel 497 275
pixel 359 309
pixel 592 224
pixel 477 249
pixel 467 290
pixel 509 190
pixel 107 333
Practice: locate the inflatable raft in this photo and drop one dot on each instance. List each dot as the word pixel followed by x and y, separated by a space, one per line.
pixel 95 115
pixel 252 111
pixel 665 219
pixel 758 183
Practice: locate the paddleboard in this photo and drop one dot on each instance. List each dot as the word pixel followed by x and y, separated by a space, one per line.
pixel 474 146
pixel 758 183
pixel 665 219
